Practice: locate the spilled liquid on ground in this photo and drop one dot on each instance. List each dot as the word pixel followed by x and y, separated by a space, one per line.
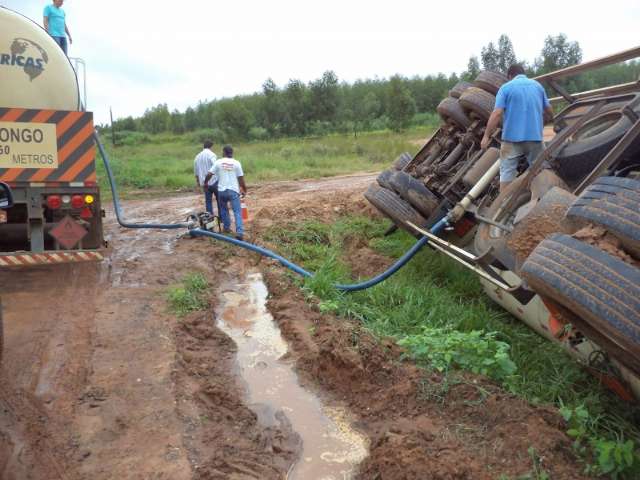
pixel 331 448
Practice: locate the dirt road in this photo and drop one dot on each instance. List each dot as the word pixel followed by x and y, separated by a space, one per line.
pixel 100 381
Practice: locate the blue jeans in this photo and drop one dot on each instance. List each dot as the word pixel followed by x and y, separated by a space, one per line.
pixel 224 197
pixel 212 190
pixel 62 41
pixel 512 152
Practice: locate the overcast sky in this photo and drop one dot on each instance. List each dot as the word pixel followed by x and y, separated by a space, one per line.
pixel 141 53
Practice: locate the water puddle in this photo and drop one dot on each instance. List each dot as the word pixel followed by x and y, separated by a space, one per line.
pixel 331 448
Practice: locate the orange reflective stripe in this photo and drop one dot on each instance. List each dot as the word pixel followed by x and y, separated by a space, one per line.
pixel 42 116
pixel 66 123
pixel 12 174
pixel 73 144
pixel 10 116
pixel 13 114
pixel 80 165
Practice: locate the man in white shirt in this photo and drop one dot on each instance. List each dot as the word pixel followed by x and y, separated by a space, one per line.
pixel 201 166
pixel 231 185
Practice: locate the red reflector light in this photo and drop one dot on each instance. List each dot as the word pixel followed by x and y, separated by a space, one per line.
pixel 86 213
pixel 77 201
pixel 54 202
pixel 462 227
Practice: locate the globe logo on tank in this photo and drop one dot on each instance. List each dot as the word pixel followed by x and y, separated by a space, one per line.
pixel 26 55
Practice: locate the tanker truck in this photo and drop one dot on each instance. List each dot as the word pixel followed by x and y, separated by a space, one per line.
pixel 47 153
pixel 560 247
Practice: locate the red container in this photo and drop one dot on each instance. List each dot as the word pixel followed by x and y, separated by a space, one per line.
pixel 245 211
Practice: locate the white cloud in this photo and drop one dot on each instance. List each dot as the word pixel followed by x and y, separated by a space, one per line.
pixel 142 53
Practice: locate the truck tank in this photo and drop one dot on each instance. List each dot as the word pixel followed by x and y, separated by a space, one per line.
pixel 34 71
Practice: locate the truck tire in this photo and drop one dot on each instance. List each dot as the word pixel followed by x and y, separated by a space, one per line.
pixel 383 179
pixel 490 81
pixel 402 161
pixel 612 203
pixel 597 287
pixel 593 141
pixel 391 205
pixel 413 191
pixel 397 183
pixel 459 88
pixel 477 101
pixel 451 112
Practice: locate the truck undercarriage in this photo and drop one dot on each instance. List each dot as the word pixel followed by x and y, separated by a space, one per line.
pixel 559 247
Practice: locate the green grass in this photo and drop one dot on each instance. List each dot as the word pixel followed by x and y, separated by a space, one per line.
pixel 189 296
pixel 433 295
pixel 165 162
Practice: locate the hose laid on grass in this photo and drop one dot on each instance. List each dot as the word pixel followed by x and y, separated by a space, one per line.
pixel 353 287
pixel 198 232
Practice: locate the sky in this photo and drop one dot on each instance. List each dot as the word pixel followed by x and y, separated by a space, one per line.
pixel 141 53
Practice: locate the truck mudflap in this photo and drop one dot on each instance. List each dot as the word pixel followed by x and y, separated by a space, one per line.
pixel 30 259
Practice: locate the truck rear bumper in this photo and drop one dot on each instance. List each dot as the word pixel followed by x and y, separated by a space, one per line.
pixel 15 260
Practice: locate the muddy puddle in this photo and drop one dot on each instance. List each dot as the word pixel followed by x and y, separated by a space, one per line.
pixel 330 448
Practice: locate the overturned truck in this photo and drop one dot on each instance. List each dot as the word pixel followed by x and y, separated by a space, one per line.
pixel 559 248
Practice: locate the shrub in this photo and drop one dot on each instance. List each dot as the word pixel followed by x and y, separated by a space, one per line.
pixel 319 128
pixel 429 119
pixel 258 133
pixel 476 351
pixel 216 135
pixel 380 123
pixel 287 152
pixel 129 138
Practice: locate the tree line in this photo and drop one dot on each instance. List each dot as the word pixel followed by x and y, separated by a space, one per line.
pixel 326 105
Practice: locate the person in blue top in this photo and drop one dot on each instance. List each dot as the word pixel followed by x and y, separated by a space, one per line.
pixel 523 107
pixel 55 24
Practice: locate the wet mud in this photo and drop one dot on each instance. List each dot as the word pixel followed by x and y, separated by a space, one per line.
pixel 329 448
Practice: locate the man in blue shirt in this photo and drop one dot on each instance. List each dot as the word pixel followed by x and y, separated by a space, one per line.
pixel 55 24
pixel 523 107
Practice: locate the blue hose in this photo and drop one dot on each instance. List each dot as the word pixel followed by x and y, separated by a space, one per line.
pixel 354 287
pixel 116 202
pixel 198 232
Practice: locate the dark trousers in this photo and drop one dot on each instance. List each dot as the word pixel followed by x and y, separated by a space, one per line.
pixel 212 191
pixel 62 41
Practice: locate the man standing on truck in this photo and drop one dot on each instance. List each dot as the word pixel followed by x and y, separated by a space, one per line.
pixel 201 166
pixel 230 187
pixel 523 107
pixel 55 24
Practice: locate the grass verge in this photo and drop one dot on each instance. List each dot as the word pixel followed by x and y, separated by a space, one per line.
pixel 189 296
pixel 165 162
pixel 438 312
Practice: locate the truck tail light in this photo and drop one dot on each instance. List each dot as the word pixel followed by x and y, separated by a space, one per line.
pixel 86 213
pixel 77 201
pixel 54 202
pixel 89 199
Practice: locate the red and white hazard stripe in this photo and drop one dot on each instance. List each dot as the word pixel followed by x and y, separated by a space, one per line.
pixel 48 258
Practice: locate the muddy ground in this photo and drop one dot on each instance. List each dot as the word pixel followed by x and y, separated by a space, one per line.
pixel 100 381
